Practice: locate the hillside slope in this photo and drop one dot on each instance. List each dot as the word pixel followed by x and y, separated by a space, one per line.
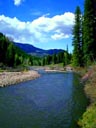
pixel 37 51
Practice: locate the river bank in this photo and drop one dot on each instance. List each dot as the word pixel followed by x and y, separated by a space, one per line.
pixel 10 78
pixel 14 76
pixel 88 119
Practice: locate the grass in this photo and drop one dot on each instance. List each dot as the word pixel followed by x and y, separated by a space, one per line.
pixel 56 65
pixel 88 119
pixel 1 70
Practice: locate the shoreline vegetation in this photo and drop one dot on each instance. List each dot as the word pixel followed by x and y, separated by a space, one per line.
pixel 88 119
pixel 8 78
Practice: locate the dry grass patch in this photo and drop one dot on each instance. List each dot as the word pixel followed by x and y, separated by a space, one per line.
pixel 10 78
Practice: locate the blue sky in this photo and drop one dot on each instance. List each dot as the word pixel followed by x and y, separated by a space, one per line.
pixel 45 24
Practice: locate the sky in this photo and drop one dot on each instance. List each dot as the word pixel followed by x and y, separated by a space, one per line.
pixel 46 24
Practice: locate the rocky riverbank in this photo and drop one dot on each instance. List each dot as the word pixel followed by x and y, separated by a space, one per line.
pixel 10 78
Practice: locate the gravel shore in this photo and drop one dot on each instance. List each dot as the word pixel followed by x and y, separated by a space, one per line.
pixel 10 78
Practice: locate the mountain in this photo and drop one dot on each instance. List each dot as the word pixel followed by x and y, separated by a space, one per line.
pixel 30 49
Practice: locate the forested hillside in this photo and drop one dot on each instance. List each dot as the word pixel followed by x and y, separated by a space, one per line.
pixel 10 55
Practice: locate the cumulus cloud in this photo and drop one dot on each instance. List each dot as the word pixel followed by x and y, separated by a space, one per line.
pixel 41 29
pixel 59 36
pixel 18 2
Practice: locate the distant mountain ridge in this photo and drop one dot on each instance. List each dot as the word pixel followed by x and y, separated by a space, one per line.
pixel 30 49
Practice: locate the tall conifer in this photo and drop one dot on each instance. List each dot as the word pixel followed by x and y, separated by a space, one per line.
pixel 89 31
pixel 77 38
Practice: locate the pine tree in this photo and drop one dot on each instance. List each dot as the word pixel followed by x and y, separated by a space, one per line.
pixel 60 56
pixel 54 59
pixel 48 59
pixel 77 38
pixel 89 30
pixel 3 47
pixel 10 55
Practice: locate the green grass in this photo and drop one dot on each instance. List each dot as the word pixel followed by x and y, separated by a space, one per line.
pixel 56 65
pixel 1 70
pixel 89 118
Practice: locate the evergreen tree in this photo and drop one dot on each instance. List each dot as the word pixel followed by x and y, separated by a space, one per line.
pixel 17 60
pixel 43 61
pixel 77 38
pixel 60 56
pixel 10 55
pixel 54 59
pixel 66 60
pixel 3 47
pixel 89 30
pixel 48 59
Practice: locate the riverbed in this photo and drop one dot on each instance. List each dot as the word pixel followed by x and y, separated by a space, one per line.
pixel 54 100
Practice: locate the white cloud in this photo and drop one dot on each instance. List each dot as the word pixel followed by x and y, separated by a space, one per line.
pixel 59 36
pixel 41 29
pixel 18 2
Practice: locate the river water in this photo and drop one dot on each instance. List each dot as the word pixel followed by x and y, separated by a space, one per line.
pixel 55 100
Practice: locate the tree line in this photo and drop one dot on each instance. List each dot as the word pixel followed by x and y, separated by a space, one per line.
pixel 61 57
pixel 11 55
pixel 84 35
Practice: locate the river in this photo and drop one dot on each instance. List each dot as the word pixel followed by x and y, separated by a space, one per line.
pixel 55 100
